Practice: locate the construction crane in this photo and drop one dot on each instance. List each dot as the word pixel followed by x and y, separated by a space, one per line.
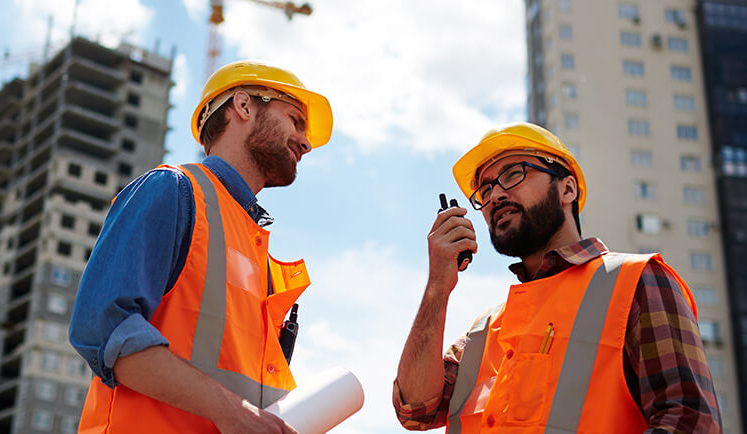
pixel 216 18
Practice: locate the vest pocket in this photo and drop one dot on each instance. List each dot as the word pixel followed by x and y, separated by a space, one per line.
pixel 529 388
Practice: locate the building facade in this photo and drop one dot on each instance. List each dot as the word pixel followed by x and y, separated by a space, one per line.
pixel 72 134
pixel 723 37
pixel 623 84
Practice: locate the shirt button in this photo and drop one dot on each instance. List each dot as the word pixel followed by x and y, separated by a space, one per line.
pixel 509 354
pixel 490 421
pixel 258 240
pixel 270 368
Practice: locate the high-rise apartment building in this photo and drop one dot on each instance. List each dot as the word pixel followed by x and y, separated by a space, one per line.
pixel 72 134
pixel 622 83
pixel 723 37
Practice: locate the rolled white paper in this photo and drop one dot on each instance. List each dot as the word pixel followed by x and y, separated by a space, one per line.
pixel 321 404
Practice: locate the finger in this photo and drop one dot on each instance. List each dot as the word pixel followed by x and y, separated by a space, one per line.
pixel 450 224
pixel 446 214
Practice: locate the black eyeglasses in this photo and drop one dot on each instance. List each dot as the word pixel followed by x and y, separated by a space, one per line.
pixel 509 178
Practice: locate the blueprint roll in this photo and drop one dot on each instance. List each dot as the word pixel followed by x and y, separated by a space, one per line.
pixel 321 404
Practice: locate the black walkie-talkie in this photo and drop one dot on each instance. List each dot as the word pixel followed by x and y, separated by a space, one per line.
pixel 288 334
pixel 464 257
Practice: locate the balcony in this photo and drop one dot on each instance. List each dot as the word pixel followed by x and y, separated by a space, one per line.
pixel 89 121
pixel 86 143
pixel 95 73
pixel 92 97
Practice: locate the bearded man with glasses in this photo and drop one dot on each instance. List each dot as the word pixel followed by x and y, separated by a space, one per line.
pixel 591 341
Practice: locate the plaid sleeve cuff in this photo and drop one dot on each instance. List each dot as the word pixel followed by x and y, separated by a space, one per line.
pixel 421 416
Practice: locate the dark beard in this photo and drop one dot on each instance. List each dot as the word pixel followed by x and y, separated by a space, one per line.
pixel 268 147
pixel 537 225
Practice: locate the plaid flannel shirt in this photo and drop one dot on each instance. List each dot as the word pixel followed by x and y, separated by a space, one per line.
pixel 664 361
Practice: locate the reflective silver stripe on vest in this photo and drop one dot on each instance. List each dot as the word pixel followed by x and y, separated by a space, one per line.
pixel 211 320
pixel 581 352
pixel 469 367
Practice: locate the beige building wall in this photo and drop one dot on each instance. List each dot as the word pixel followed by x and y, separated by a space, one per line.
pixel 623 128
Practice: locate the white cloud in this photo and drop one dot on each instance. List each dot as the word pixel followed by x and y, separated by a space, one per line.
pixel 196 9
pixel 181 77
pixel 358 313
pixel 420 72
pixel 97 20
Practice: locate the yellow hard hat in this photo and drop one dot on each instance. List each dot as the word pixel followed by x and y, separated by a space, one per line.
pixel 249 72
pixel 521 138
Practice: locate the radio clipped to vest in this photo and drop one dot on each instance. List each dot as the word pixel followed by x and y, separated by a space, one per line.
pixel 288 333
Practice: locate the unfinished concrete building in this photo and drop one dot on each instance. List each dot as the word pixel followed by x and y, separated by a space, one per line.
pixel 72 134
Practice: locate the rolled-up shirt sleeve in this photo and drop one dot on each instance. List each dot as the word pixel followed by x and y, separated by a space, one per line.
pixel 137 258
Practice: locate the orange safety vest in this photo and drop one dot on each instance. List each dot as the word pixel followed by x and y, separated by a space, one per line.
pixel 218 316
pixel 504 384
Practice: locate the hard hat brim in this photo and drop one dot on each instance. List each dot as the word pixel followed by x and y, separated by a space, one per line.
pixel 318 111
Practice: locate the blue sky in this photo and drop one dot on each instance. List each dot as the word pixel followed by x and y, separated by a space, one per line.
pixel 413 85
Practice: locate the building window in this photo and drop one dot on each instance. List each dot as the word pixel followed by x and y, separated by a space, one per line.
pixel 642 158
pixel 681 73
pixel 648 224
pixel 54 332
pixel 705 296
pixel 128 145
pixel 677 44
pixel 67 221
pixel 64 248
pixel 694 195
pixel 564 5
pixel 569 91
pixel 100 178
pixel 734 161
pixel 627 10
pixel 701 262
pixel 567 61
pixel 74 170
pixel 553 100
pixel 60 276
pixel 69 424
pixel 74 396
pixel 125 169
pixel 709 330
pixel 687 132
pixel 57 303
pixel 638 127
pixel 571 121
pixel 633 68
pixel 133 99
pixel 644 190
pixel 87 256
pixel 630 39
pixel 636 98
pixel 674 16
pixel 94 229
pixel 690 163
pixel 136 76
pixel 566 32
pixel 42 420
pixel 716 366
pixel 78 367
pixel 130 121
pixel 697 228
pixel 50 360
pixel 46 390
pixel 685 103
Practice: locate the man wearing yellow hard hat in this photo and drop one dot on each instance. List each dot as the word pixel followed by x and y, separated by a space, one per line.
pixel 181 310
pixel 590 341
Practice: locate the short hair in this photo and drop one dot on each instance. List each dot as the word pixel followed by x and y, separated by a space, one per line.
pixel 216 124
pixel 563 173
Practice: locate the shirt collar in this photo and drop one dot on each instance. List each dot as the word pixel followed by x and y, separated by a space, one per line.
pixel 238 189
pixel 561 258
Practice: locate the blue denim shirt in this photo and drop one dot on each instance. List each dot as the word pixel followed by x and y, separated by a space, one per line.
pixel 138 256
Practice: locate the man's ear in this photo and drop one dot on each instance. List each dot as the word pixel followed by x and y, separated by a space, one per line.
pixel 242 105
pixel 568 189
